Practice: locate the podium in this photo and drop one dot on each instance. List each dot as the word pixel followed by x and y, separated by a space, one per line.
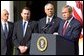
pixel 48 44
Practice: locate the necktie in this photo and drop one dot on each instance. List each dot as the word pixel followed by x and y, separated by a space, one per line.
pixel 5 29
pixel 48 20
pixel 24 28
pixel 64 28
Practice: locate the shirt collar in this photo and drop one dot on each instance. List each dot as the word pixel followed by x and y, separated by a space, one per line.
pixel 3 22
pixel 70 19
pixel 49 17
pixel 24 21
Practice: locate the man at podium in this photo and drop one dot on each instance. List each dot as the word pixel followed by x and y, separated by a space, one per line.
pixel 50 23
pixel 69 27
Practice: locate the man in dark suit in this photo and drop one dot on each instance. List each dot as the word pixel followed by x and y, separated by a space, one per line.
pixel 50 23
pixel 22 32
pixel 6 34
pixel 69 27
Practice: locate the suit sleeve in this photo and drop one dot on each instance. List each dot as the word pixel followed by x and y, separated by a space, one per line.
pixel 75 34
pixel 15 41
pixel 35 29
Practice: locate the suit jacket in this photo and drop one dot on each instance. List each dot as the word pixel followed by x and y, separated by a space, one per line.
pixel 18 38
pixel 54 24
pixel 72 32
pixel 6 42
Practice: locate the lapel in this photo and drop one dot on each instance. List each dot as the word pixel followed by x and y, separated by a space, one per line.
pixel 2 32
pixel 69 26
pixel 61 27
pixel 53 21
pixel 20 28
pixel 51 28
pixel 43 23
pixel 28 29
pixel 9 26
pixel 53 18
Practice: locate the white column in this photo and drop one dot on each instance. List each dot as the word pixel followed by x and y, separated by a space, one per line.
pixel 8 5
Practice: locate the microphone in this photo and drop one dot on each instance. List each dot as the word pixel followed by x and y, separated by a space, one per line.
pixel 46 26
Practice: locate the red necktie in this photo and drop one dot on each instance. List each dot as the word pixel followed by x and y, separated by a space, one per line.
pixel 64 28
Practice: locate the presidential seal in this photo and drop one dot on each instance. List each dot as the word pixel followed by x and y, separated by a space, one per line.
pixel 42 43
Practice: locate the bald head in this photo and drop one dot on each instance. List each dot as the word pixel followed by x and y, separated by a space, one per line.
pixel 49 9
pixel 4 15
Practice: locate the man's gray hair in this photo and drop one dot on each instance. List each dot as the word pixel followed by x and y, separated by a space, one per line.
pixel 48 4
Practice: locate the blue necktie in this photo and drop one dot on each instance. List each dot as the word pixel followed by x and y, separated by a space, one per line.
pixel 24 28
pixel 5 30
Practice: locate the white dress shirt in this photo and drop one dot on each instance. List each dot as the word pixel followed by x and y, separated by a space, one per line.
pixel 47 19
pixel 3 25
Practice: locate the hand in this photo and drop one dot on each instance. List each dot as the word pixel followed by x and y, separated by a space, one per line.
pixel 23 48
pixel 26 47
pixel 55 33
